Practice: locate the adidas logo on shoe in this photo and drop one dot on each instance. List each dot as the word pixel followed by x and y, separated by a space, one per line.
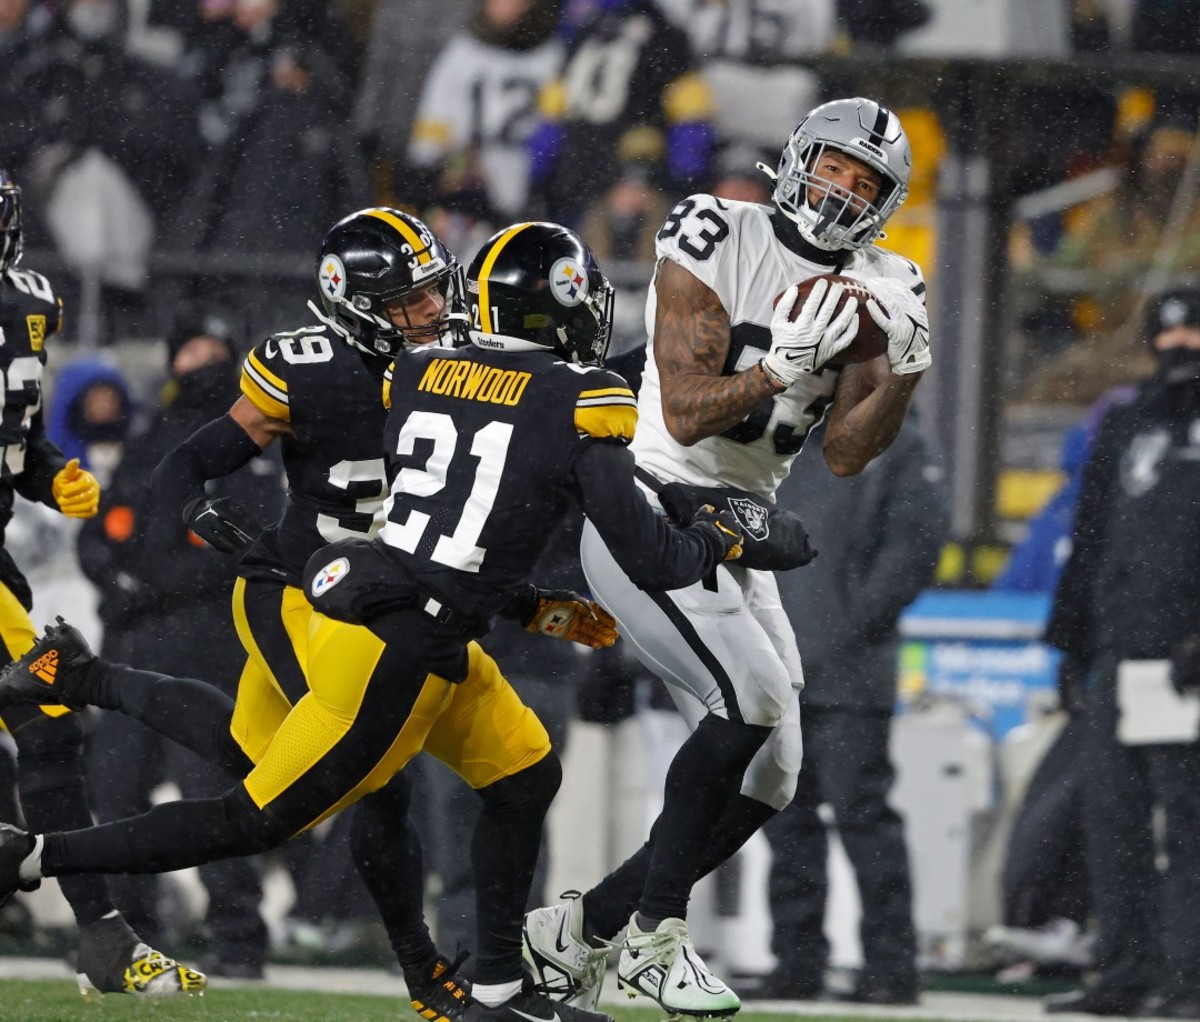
pixel 46 667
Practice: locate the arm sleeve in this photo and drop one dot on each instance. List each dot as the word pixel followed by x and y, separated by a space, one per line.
pixel 212 451
pixel 653 553
pixel 43 461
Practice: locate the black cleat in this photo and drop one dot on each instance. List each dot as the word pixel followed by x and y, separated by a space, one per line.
pixel 42 673
pixel 438 992
pixel 15 845
pixel 531 1006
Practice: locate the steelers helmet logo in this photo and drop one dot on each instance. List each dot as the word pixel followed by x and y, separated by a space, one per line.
pixel 331 276
pixel 330 575
pixel 568 282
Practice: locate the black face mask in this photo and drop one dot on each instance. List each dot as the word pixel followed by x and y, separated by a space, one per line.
pixel 1178 365
pixel 209 385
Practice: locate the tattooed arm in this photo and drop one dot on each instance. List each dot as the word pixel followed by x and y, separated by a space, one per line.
pixel 691 342
pixel 868 407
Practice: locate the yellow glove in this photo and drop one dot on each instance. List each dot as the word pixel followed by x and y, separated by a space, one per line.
pixel 76 491
pixel 562 614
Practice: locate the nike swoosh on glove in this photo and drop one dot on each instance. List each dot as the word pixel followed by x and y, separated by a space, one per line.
pixel 803 345
pixel 76 491
pixel 222 523
pixel 563 614
pixel 902 316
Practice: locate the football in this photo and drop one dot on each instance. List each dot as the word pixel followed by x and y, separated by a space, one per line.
pixel 871 341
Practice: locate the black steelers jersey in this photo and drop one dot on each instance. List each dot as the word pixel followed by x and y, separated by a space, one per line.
pixel 30 312
pixel 333 398
pixel 485 453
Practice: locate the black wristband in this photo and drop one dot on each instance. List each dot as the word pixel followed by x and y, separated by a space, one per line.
pixel 521 604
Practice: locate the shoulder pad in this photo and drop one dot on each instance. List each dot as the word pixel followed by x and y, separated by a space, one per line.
pixel 881 262
pixel 264 379
pixel 606 408
pixel 695 232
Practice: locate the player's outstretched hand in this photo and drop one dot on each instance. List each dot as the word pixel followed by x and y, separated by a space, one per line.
pixel 726 526
pixel 562 614
pixel 76 491
pixel 823 326
pixel 222 523
pixel 902 316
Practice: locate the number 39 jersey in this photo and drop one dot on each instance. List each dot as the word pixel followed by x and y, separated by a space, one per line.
pixel 332 397
pixel 741 251
pixel 483 457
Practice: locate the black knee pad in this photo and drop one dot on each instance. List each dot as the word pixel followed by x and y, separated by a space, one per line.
pixel 260 829
pixel 531 790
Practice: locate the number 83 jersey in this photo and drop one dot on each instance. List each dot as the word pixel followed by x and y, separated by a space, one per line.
pixel 747 254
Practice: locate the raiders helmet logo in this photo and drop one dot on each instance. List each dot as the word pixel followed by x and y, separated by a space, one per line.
pixel 752 516
pixel 330 575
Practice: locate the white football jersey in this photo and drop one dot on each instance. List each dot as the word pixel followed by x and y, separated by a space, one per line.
pixel 732 247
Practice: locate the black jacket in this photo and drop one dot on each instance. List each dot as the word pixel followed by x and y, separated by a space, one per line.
pixel 1131 587
pixel 878 536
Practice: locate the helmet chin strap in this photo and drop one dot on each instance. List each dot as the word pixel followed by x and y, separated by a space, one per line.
pixel 342 332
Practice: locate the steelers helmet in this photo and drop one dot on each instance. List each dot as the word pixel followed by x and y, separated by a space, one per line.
pixel 374 259
pixel 537 285
pixel 858 127
pixel 10 221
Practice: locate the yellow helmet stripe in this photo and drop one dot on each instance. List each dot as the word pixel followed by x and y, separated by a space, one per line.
pixel 418 246
pixel 485 308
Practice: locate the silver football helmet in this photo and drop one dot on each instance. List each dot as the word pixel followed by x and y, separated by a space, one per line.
pixel 826 215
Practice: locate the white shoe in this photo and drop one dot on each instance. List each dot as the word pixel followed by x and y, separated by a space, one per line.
pixel 664 966
pixel 565 966
pixel 1056 942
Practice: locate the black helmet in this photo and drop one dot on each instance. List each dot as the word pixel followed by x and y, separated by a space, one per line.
pixel 374 258
pixel 537 285
pixel 10 221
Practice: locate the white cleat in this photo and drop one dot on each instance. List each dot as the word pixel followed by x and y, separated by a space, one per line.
pixel 664 966
pixel 565 967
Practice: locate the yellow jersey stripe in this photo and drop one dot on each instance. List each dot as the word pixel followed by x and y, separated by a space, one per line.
pixel 387 389
pixel 617 392
pixel 606 421
pixel 418 246
pixel 263 396
pixel 260 369
pixel 485 311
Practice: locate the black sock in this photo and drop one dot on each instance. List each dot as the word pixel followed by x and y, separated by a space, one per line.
pixel 504 851
pixel 173 835
pixel 190 712
pixel 703 777
pixel 387 854
pixel 50 783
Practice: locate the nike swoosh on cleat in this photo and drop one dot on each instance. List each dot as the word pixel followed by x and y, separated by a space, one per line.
pixel 553 1017
pixel 559 943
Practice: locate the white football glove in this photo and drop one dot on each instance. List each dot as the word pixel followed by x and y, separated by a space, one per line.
pixel 803 345
pixel 901 315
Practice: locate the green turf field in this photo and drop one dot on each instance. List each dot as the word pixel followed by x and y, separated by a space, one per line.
pixel 59 1001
